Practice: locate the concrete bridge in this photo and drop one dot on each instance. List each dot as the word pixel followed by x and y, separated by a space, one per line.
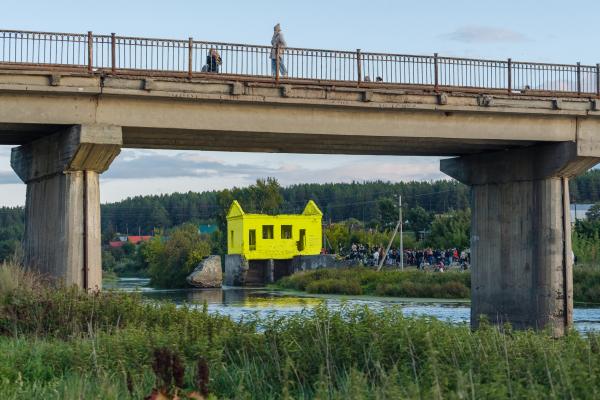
pixel 517 131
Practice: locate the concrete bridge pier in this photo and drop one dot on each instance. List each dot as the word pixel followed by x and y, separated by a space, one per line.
pixel 62 210
pixel 521 233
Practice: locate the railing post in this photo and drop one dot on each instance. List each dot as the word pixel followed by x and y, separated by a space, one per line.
pixel 598 80
pixel 509 83
pixel 277 64
pixel 90 43
pixel 358 67
pixel 578 78
pixel 190 55
pixel 113 52
pixel 436 72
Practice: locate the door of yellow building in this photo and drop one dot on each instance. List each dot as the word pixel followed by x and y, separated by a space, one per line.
pixel 252 239
pixel 302 240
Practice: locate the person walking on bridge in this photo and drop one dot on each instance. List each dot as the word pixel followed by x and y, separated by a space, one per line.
pixel 278 45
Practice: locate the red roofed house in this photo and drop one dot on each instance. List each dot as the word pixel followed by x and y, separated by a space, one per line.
pixel 138 239
pixel 131 239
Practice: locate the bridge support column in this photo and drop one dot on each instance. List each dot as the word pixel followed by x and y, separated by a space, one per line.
pixel 521 233
pixel 62 210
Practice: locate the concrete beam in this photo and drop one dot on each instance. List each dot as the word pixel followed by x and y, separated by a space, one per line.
pixel 178 114
pixel 521 233
pixel 567 159
pixel 62 209
pixel 78 148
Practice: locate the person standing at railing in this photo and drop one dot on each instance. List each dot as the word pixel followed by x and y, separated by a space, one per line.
pixel 278 46
pixel 213 61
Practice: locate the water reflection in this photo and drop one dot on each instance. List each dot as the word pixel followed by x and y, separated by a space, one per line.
pixel 243 302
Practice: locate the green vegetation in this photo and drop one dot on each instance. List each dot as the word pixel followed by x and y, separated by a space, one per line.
pixel 447 230
pixel 362 280
pixel 586 237
pixel 450 230
pixel 127 260
pixel 586 285
pixel 338 201
pixel 412 283
pixel 12 228
pixel 343 234
pixel 63 344
pixel 167 259
pixel 171 259
pixel 427 206
pixel 586 188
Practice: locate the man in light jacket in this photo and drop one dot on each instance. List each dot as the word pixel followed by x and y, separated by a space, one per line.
pixel 278 45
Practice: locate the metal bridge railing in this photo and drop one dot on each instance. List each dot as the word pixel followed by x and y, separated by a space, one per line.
pixel 111 54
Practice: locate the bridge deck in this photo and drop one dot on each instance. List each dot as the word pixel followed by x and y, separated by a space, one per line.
pixel 156 90
pixel 229 115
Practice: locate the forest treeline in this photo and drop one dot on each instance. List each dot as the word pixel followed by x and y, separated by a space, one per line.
pixel 338 201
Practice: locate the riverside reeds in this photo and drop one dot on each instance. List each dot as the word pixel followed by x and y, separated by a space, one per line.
pixel 362 280
pixel 412 283
pixel 58 343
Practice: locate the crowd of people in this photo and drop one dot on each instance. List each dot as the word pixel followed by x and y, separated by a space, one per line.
pixel 437 259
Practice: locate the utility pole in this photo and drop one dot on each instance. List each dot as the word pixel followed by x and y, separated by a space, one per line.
pixel 401 238
pixel 398 227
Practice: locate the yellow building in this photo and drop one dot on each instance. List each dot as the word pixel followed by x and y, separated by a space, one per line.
pixel 277 237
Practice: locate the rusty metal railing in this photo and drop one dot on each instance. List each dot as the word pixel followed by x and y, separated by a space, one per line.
pixel 112 54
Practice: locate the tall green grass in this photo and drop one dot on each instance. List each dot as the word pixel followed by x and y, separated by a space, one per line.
pixel 586 284
pixel 57 343
pixel 411 283
pixel 361 280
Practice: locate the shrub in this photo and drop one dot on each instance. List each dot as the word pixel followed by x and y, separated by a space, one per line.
pixel 334 286
pixel 171 260
pixel 411 283
pixel 454 290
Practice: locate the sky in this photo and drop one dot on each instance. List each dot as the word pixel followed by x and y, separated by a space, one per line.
pixel 542 31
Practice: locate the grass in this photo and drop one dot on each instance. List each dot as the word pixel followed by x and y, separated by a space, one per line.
pixel 361 280
pixel 586 284
pixel 109 276
pixel 58 343
pixel 412 283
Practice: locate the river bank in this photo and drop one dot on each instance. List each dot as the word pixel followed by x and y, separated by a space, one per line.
pixel 63 344
pixel 416 284
pixel 240 302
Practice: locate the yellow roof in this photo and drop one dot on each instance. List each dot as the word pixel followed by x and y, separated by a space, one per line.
pixel 236 210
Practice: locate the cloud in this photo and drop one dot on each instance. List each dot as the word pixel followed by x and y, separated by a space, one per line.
pixel 8 177
pixel 159 172
pixel 485 34
pixel 288 168
pixel 168 172
pixel 154 165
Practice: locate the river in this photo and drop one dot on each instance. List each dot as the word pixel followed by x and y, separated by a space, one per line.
pixel 243 302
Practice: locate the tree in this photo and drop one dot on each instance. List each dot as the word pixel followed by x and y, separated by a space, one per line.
pixel 593 214
pixel 418 219
pixel 451 230
pixel 171 260
pixel 388 213
pixel 267 196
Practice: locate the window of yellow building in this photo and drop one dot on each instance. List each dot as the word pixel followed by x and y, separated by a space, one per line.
pixel 286 231
pixel 268 232
pixel 231 239
pixel 252 239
